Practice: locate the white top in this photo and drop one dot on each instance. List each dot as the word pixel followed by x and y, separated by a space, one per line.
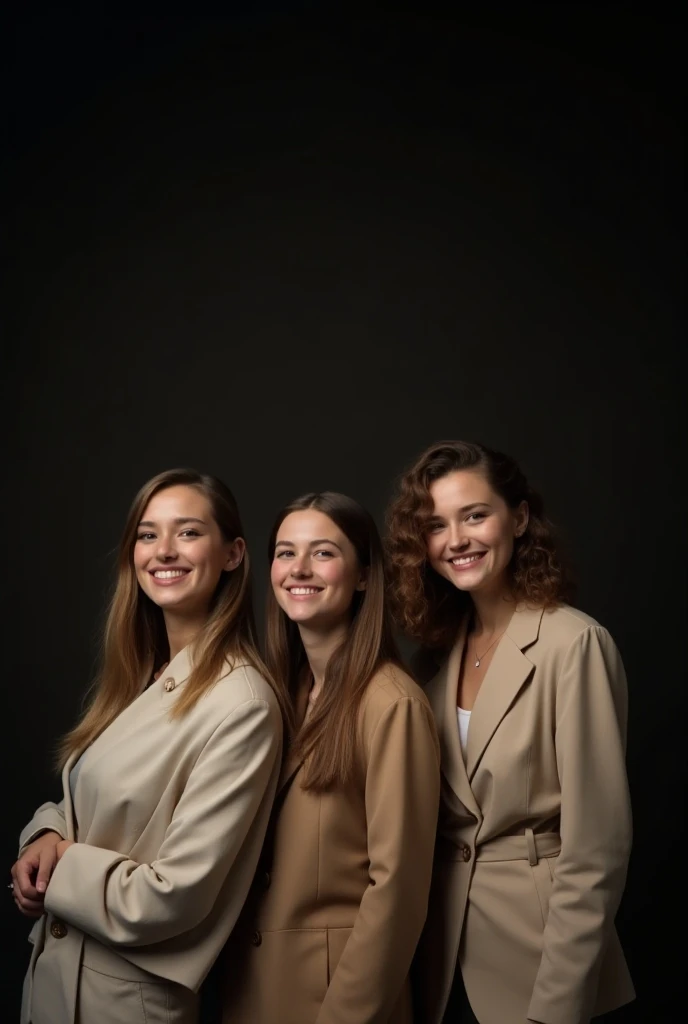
pixel 464 718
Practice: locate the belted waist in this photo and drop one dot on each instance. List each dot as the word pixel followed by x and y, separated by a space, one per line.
pixel 532 846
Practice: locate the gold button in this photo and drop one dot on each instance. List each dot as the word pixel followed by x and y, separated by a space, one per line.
pixel 169 684
pixel 466 853
pixel 256 939
pixel 58 930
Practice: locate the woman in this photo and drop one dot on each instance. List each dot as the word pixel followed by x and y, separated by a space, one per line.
pixel 168 779
pixel 342 893
pixel 530 701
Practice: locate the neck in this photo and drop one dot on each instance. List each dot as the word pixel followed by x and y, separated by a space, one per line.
pixel 319 647
pixel 181 631
pixel 492 612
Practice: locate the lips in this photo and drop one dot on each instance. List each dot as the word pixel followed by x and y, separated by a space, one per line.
pixel 467 561
pixel 168 577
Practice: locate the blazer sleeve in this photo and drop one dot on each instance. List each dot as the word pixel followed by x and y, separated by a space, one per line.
pixel 401 801
pixel 49 817
pixel 590 872
pixel 121 902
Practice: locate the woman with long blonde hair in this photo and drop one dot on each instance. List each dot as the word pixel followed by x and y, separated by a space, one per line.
pixel 138 875
pixel 338 905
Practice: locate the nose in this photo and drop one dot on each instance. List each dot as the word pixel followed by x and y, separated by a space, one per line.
pixel 301 566
pixel 166 549
pixel 457 536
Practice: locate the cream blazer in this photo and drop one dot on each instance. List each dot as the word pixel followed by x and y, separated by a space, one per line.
pixel 535 829
pixel 169 816
pixel 329 932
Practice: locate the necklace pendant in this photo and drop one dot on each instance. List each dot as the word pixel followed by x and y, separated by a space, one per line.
pixel 477 662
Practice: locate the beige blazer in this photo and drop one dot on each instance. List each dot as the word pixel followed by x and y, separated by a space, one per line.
pixel 339 903
pixel 169 817
pixel 535 829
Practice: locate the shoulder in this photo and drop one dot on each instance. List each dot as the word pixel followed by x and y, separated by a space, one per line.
pixel 562 626
pixel 242 684
pixel 392 691
pixel 390 684
pixel 396 715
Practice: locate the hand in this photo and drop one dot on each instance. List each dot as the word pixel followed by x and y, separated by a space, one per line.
pixel 62 847
pixel 31 873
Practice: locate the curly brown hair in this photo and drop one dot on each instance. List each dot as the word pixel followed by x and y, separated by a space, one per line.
pixel 429 608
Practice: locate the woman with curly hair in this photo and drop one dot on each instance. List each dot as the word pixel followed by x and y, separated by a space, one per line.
pixel 530 699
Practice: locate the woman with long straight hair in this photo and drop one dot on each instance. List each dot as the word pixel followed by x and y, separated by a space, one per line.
pixel 530 700
pixel 138 875
pixel 329 931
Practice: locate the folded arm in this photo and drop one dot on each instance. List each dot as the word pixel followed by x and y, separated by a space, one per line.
pixel 122 902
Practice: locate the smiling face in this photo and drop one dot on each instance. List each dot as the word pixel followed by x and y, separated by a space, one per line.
pixel 180 553
pixel 315 570
pixel 470 538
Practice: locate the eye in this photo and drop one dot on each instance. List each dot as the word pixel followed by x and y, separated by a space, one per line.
pixel 146 536
pixel 435 526
pixel 476 517
pixel 284 553
pixel 190 533
pixel 323 552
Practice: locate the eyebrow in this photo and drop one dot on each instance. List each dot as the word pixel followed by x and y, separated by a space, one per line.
pixel 466 508
pixel 179 521
pixel 311 544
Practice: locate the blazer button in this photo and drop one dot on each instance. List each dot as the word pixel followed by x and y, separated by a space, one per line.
pixel 256 939
pixel 169 684
pixel 58 930
pixel 466 853
pixel 267 881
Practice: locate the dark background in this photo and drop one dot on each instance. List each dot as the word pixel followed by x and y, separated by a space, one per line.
pixel 295 245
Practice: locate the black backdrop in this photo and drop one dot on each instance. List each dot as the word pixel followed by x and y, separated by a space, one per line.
pixel 292 250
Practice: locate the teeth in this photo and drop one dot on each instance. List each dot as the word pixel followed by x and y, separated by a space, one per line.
pixel 466 559
pixel 168 574
pixel 302 591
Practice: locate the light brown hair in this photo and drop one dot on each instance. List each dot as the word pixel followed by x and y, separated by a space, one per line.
pixel 429 608
pixel 135 639
pixel 328 740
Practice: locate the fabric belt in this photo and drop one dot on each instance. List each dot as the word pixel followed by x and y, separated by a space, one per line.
pixel 531 847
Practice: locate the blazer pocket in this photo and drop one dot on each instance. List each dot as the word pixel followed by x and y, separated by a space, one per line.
pixel 542 880
pixel 337 939
pixel 110 1000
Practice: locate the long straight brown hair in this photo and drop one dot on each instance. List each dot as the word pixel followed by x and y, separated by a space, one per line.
pixel 135 641
pixel 328 740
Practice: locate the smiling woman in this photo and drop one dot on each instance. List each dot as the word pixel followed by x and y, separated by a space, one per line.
pixel 529 695
pixel 138 875
pixel 340 900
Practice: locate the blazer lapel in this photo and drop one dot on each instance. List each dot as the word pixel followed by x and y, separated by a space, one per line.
pixel 507 673
pixel 442 694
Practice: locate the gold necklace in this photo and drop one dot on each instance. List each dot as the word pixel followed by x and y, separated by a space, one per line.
pixel 479 658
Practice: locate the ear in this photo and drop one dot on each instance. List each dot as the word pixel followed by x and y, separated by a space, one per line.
pixel 235 555
pixel 521 517
pixel 363 580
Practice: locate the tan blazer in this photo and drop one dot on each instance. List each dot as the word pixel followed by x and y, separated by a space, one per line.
pixel 342 893
pixel 535 829
pixel 169 817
